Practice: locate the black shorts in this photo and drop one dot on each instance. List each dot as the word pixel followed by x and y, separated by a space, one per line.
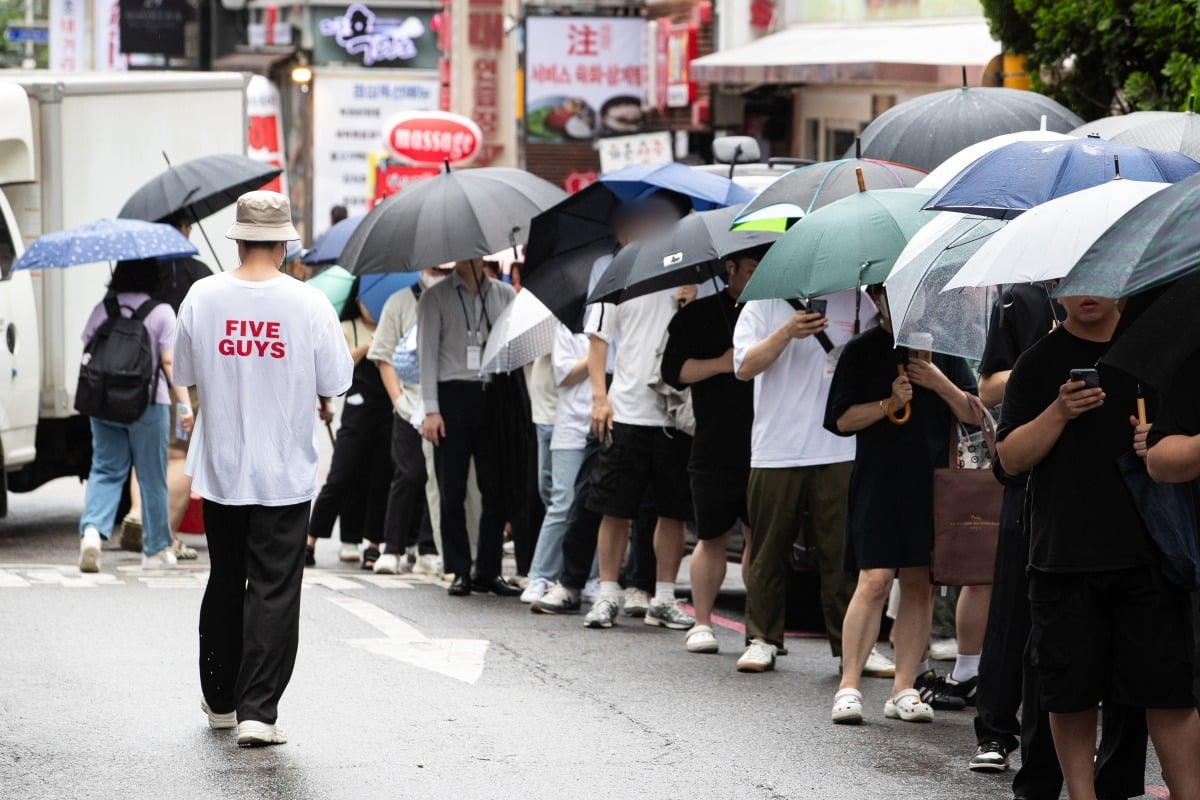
pixel 1123 636
pixel 719 499
pixel 641 458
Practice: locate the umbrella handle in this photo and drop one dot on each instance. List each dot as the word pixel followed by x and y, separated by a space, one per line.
pixel 329 428
pixel 891 412
pixel 1141 410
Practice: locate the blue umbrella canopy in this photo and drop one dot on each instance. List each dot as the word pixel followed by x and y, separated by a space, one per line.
pixel 374 290
pixel 105 240
pixel 705 191
pixel 327 249
pixel 1013 179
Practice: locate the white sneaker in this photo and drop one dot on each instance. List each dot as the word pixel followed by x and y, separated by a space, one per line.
pixel 348 553
pixel 637 602
pixel 89 550
pixel 219 722
pixel 668 615
pixel 943 649
pixel 259 734
pixel 604 612
pixel 909 707
pixel 411 554
pixel 759 657
pixel 163 559
pixel 387 564
pixel 535 591
pixel 879 666
pixel 591 591
pixel 701 639
pixel 428 564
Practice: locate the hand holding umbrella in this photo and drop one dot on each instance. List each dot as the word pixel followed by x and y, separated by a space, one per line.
pixel 902 393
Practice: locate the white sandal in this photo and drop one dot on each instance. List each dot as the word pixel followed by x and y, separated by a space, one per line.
pixel 701 639
pixel 847 707
pixel 909 707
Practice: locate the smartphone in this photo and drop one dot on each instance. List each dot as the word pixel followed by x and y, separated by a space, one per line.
pixel 818 307
pixel 1090 378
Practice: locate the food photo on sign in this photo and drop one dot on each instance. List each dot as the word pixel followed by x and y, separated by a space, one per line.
pixel 583 77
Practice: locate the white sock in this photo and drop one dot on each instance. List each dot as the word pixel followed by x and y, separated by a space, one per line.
pixel 965 668
pixel 610 588
pixel 664 591
pixel 923 667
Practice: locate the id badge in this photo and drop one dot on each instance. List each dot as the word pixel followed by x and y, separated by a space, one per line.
pixel 474 352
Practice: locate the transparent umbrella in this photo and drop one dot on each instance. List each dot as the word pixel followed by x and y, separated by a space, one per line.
pixel 925 318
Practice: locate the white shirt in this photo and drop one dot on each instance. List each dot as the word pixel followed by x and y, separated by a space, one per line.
pixel 599 267
pixel 543 390
pixel 642 324
pixel 790 395
pixel 574 409
pixel 259 353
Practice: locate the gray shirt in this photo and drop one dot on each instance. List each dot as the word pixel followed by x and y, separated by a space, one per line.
pixel 449 319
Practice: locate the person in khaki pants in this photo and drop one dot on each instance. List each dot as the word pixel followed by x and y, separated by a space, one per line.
pixel 796 467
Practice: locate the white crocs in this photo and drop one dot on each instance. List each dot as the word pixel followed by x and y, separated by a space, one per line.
pixel 909 707
pixel 847 707
pixel 701 639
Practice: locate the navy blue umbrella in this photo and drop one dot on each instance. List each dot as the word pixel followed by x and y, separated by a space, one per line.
pixel 327 249
pixel 105 240
pixel 1015 178
pixel 706 191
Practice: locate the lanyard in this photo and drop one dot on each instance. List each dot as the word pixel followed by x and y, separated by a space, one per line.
pixel 477 329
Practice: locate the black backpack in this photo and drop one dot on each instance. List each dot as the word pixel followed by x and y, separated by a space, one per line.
pixel 118 371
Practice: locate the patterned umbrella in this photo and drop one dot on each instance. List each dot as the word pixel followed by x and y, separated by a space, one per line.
pixel 105 240
pixel 523 332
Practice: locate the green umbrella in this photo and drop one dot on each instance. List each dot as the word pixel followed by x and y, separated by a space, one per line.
pixel 335 283
pixel 853 242
pixel 1155 242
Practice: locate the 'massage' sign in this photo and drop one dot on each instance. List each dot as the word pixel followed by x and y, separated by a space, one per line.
pixel 432 137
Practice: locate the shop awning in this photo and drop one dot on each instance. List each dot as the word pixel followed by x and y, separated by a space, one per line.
pixel 260 63
pixel 918 51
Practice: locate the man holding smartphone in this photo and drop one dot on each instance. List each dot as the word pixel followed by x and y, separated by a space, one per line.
pixel 1106 627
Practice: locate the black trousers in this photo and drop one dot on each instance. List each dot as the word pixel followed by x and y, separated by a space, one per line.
pixel 468 417
pixel 407 518
pixel 250 615
pixel 356 488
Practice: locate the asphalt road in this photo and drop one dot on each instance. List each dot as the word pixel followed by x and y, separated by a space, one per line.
pixel 400 691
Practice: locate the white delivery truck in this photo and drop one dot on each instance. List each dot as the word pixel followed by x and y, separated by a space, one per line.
pixel 73 147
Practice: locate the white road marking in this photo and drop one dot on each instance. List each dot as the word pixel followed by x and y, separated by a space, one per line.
pixel 461 659
pixel 185 576
pixel 330 581
pixel 9 580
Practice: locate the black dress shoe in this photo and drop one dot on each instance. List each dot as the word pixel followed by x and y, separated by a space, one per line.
pixel 497 586
pixel 461 587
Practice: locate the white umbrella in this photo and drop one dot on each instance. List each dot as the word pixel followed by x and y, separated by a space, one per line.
pixel 956 163
pixel 1044 243
pixel 523 332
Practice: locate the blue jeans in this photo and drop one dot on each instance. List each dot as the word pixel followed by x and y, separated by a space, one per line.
pixel 115 446
pixel 545 476
pixel 548 556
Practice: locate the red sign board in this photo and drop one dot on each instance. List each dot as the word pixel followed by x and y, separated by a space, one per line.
pixel 432 137
pixel 391 178
pixel 577 181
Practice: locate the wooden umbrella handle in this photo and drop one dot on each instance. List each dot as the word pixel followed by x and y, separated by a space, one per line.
pixel 891 412
pixel 1141 409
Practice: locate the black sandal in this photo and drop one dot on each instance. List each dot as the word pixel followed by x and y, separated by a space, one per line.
pixel 369 557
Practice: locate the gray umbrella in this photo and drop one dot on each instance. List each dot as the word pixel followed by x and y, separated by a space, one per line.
pixel 454 216
pixel 1178 130
pixel 1110 127
pixel 691 252
pixel 925 131
pixel 202 186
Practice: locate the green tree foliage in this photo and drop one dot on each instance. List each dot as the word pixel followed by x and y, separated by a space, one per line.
pixel 1097 55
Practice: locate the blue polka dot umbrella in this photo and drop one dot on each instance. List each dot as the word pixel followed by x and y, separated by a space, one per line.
pixel 105 240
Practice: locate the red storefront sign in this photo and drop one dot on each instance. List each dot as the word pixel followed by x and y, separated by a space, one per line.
pixel 432 137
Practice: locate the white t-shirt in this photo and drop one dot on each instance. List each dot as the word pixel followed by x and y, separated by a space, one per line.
pixel 543 390
pixel 574 410
pixel 599 267
pixel 790 395
pixel 259 353
pixel 642 324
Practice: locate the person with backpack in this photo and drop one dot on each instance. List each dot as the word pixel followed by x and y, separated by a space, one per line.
pixel 125 387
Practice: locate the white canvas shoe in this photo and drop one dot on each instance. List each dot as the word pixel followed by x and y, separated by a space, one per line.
pixel 259 734
pixel 89 550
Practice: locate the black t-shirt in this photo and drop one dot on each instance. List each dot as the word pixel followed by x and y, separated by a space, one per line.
pixel 178 276
pixel 1021 316
pixel 1081 516
pixel 724 405
pixel 1180 411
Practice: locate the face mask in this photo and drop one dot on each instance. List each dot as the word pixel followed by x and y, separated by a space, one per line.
pixel 428 279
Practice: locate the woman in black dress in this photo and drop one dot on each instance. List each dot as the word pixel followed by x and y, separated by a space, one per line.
pixel 889 525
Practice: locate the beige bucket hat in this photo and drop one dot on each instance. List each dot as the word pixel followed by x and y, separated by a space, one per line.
pixel 263 217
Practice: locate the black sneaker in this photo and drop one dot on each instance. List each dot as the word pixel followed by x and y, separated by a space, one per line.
pixel 990 757
pixel 935 692
pixel 310 556
pixel 966 689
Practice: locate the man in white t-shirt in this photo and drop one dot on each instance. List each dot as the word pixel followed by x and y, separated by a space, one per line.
pixel 641 450
pixel 796 466
pixel 258 346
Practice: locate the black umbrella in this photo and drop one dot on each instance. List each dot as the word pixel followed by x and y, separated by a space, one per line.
pixel 457 215
pixel 691 252
pixel 926 130
pixel 1159 334
pixel 200 187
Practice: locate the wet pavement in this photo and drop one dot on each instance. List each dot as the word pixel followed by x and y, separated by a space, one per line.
pixel 400 691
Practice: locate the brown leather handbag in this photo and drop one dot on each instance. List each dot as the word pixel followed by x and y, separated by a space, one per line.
pixel 966 512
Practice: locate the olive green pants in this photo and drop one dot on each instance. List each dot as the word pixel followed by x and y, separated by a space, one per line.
pixel 778 501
